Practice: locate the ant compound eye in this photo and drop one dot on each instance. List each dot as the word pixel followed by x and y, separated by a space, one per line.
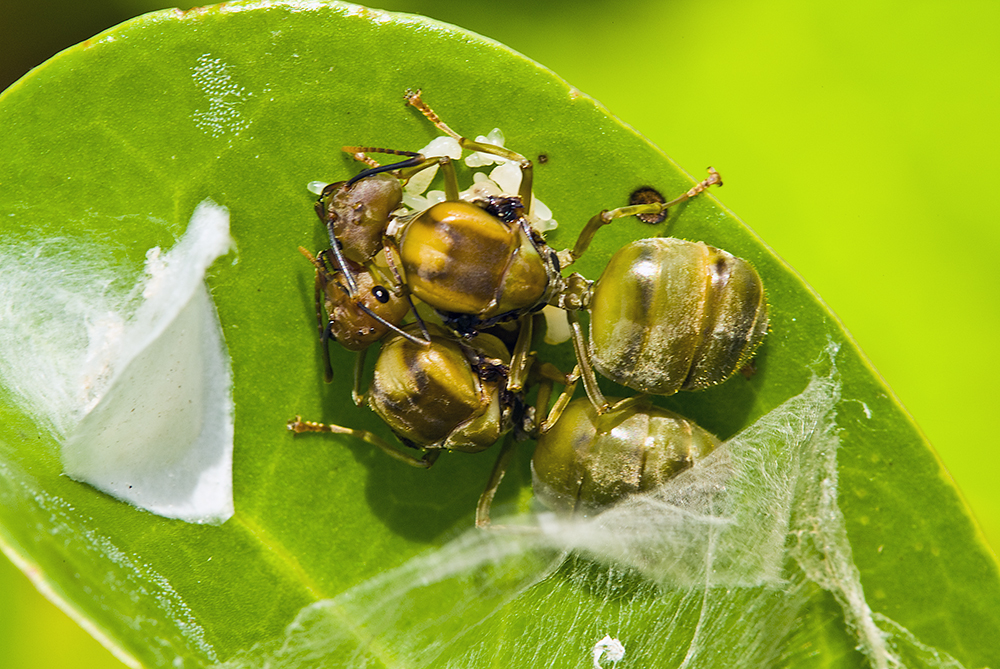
pixel 381 294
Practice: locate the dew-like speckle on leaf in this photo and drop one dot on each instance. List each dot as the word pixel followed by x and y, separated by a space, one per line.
pixel 221 114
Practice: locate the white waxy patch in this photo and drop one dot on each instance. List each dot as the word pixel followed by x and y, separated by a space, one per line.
pixel 161 435
pixel 608 649
pixel 125 365
pixel 129 372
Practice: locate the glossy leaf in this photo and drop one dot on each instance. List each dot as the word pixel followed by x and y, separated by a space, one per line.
pixel 113 143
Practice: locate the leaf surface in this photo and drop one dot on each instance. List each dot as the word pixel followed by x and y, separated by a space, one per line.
pixel 112 144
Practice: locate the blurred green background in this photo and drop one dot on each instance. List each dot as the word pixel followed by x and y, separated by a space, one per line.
pixel 859 139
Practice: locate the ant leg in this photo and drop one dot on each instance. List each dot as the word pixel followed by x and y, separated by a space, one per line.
pixel 424 462
pixel 576 293
pixel 534 418
pixel 357 395
pixel 450 179
pixel 324 328
pixel 586 368
pixel 714 179
pixel 527 169
pixel 496 476
pixel 605 217
pixel 324 340
pixel 629 401
pixel 521 359
pixel 562 401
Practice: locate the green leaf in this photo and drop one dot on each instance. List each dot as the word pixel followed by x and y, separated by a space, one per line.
pixel 109 147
